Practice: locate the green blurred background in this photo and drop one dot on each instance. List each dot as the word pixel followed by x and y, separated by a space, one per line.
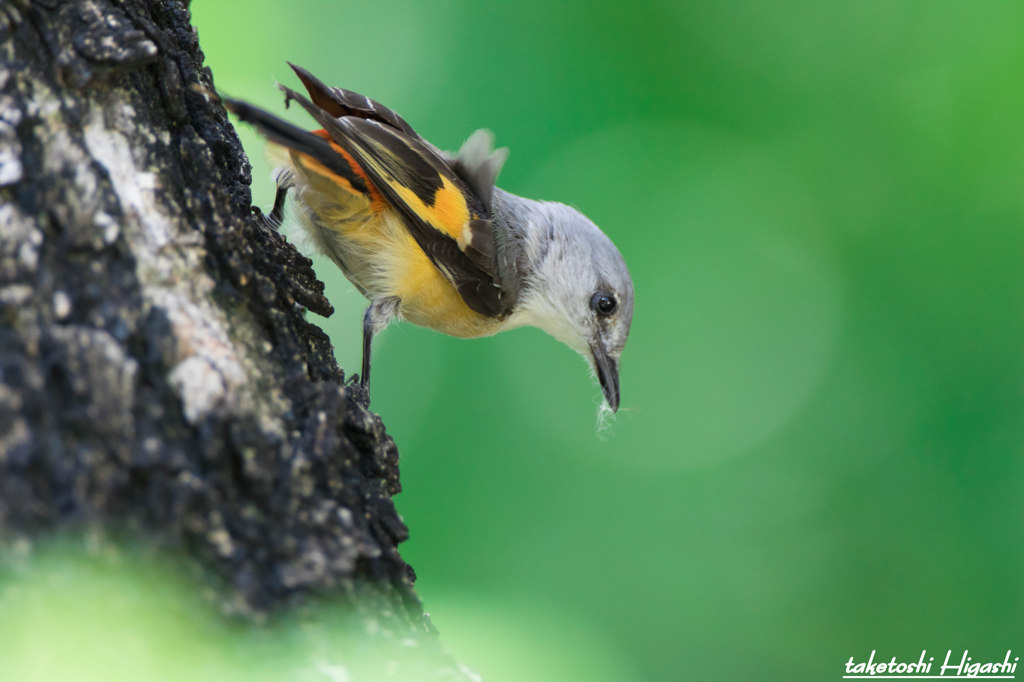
pixel 820 446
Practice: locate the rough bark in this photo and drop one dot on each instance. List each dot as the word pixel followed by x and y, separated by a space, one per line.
pixel 157 374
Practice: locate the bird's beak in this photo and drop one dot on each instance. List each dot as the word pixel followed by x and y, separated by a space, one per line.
pixel 607 374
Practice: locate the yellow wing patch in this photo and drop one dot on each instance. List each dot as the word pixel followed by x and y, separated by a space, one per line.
pixel 449 213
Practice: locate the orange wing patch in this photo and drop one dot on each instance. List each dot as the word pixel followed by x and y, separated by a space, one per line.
pixel 315 168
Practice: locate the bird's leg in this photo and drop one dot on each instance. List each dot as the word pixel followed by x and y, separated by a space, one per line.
pixel 378 314
pixel 275 218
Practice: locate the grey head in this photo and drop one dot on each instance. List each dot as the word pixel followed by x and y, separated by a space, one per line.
pixel 572 281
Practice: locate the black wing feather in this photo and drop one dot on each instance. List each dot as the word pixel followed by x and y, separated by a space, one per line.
pixel 339 102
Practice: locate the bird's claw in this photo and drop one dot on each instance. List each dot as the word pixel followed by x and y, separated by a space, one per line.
pixel 358 391
pixel 268 220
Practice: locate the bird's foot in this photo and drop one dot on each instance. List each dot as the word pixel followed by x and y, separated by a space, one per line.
pixel 269 220
pixel 358 391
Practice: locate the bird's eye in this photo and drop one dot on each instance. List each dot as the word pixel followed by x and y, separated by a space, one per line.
pixel 603 303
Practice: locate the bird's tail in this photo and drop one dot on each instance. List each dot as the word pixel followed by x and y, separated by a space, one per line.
pixel 309 144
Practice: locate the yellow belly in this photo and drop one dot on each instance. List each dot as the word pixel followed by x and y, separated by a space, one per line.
pixel 400 268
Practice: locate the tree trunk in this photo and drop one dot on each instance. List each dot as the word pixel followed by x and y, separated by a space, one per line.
pixel 157 373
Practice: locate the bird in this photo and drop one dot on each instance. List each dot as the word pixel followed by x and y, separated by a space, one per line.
pixel 427 236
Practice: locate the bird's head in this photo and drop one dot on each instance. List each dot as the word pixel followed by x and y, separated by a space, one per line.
pixel 578 289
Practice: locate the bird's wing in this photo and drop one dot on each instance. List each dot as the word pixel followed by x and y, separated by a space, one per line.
pixel 449 221
pixel 477 163
pixel 339 102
